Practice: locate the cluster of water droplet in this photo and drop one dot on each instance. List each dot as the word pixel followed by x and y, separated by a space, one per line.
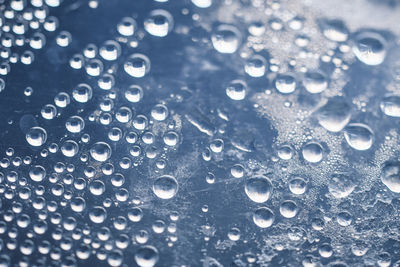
pixel 24 26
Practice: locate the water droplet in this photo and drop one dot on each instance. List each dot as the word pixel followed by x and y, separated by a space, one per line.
pixel 74 124
pixel 76 62
pixel 165 187
pixel 384 259
pixel 288 209
pixel 127 26
pixel 258 189
pixel 159 112
pixel 340 185
pixel 344 218
pixel 325 250
pixel 210 178
pixel 124 114
pixel 37 41
pixel 78 204
pixel 159 23
pixel 256 28
pixel 296 23
pixel 137 65
pixel 312 152
pixel 359 136
pixel 297 186
pixel 146 256
pixel 90 51
pixel 226 39
pixel 115 258
pixel 370 48
pixel 37 173
pixel 2 84
pixel 48 112
pixel 115 134
pixel 234 234
pixel 82 93
pixel 110 50
pixel 285 152
pixel 97 215
pixel 390 105
pixel 36 136
pixel 236 90
pixel 100 151
pixel 97 188
pixel 202 3
pixel 263 217
pixel 28 91
pixel 134 93
pixel 302 40
pixel 171 138
pixel 256 66
pixel 237 171
pixel 63 39
pixel 140 122
pixel 334 115
pixel 335 30
pixel 106 81
pixel 94 67
pixel 217 145
pixel 69 148
pixel 359 248
pixel 315 82
pixel 390 176
pixel 62 100
pixel 285 83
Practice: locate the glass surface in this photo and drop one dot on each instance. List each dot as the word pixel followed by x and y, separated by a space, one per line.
pixel 199 133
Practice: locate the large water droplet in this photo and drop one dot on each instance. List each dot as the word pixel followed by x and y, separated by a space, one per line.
pixel 165 187
pixel 36 136
pixel 359 136
pixel 159 112
pixel 263 217
pixel 285 83
pixel 146 256
pixel 82 93
pixel 100 151
pixel 335 30
pixel 370 48
pixel 74 124
pixel 134 93
pixel 37 173
pixel 258 189
pixel 226 39
pixel 97 214
pixel 312 152
pixel 344 218
pixel 127 26
pixel 297 186
pixel 315 82
pixel 334 115
pixel 110 50
pixel 137 65
pixel 340 185
pixel 236 90
pixel 255 66
pixel 69 148
pixel 159 23
pixel 390 176
pixel 202 3
pixel 288 209
pixel 390 105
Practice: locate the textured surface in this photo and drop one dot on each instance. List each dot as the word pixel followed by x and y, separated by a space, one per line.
pixel 199 133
